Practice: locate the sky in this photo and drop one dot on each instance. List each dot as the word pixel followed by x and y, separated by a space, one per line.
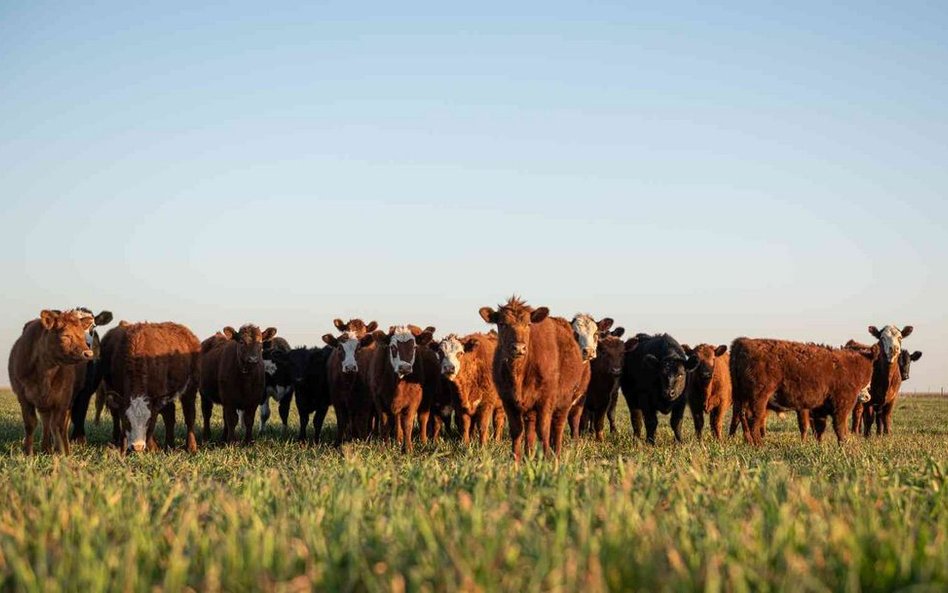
pixel 711 172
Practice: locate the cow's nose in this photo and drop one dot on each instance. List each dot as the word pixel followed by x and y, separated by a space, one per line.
pixel 520 348
pixel 404 368
pixel 138 446
pixel 448 369
pixel 617 371
pixel 88 354
pixel 349 368
pixel 589 354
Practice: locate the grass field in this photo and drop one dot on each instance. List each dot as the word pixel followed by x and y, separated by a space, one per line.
pixel 870 516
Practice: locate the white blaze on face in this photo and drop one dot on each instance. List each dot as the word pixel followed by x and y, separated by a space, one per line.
pixel 586 332
pixel 138 415
pixel 401 335
pixel 864 394
pixel 264 412
pixel 269 367
pixel 349 344
pixel 891 339
pixel 451 349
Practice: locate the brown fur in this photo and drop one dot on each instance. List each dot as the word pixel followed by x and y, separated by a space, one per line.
pixel 473 393
pixel 347 392
pixel 232 375
pixel 603 389
pixel 822 380
pixel 540 385
pixel 160 361
pixel 47 368
pixel 709 396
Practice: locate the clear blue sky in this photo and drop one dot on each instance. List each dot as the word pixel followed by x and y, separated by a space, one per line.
pixel 710 172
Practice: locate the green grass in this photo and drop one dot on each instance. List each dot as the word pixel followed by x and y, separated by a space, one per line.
pixel 870 516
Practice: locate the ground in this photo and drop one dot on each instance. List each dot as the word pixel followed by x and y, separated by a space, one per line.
pixel 790 516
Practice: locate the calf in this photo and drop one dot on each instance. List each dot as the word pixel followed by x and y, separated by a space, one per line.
pixel 886 379
pixel 80 404
pixel 47 369
pixel 232 375
pixel 821 380
pixel 654 375
pixel 150 367
pixel 605 372
pixel 308 367
pixel 709 386
pixel 466 365
pixel 539 373
pixel 278 381
pixel 586 331
pixel 397 381
pixel 349 398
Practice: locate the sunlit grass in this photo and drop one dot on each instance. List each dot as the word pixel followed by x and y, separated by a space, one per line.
pixel 791 516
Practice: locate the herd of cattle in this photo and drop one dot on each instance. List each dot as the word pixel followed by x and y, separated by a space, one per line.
pixel 534 372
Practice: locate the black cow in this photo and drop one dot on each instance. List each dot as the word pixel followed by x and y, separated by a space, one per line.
pixel 653 380
pixel 905 362
pixel 300 373
pixel 94 369
pixel 278 381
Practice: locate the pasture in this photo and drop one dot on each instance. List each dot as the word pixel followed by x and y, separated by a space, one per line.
pixel 789 516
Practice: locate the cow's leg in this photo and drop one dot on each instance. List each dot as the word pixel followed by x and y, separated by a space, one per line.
pixel 28 411
pixel 803 422
pixel 558 429
pixel 60 422
pixel 717 422
pixel 857 418
pixel 517 427
pixel 230 424
pixel 249 412
pixel 264 413
pixel 599 424
pixel 342 424
pixel 167 416
pixel 118 438
pixel 757 421
pixel 47 439
pixel 189 411
pixel 575 416
pixel 839 425
pixel 319 416
pixel 638 422
pixel 697 417
pixel 651 425
pixel 819 427
pixel 735 419
pixel 407 421
pixel 150 443
pixel 887 417
pixel 500 418
pixel 677 417
pixel 207 409
pixel 423 417
pixel 531 426
pixel 465 428
pixel 545 422
pixel 483 419
pixel 284 409
pixel 80 407
pixel 436 422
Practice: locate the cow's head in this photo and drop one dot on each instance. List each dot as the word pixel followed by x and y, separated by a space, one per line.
pixel 587 331
pixel 672 370
pixel 92 336
pixel 249 340
pixel 450 351
pixel 348 344
pixel 905 362
pixel 513 322
pixel 68 335
pixel 356 327
pixel 610 352
pixel 402 342
pixel 136 416
pixel 890 340
pixel 706 355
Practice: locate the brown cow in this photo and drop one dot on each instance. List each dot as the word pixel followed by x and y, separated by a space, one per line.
pixel 587 331
pixel 232 375
pixel 539 373
pixel 886 379
pixel 47 368
pixel 466 364
pixel 709 386
pixel 603 391
pixel 150 367
pixel 826 381
pixel 349 396
pixel 397 381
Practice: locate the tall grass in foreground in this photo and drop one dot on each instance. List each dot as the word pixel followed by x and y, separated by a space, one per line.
pixel 791 516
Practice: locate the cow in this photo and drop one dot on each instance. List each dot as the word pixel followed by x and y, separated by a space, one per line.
pixel 709 387
pixel 886 379
pixel 232 375
pixel 80 404
pixel 278 381
pixel 539 372
pixel 47 369
pixel 654 375
pixel 603 390
pixel 397 381
pixel 466 365
pixel 150 367
pixel 308 368
pixel 822 380
pixel 347 387
pixel 586 331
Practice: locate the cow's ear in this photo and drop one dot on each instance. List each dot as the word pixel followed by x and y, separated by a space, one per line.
pixel 49 318
pixel 229 332
pixel 423 338
pixel 269 333
pixel 907 331
pixel 330 340
pixel 650 361
pixel 874 331
pixel 631 343
pixel 470 345
pixel 434 346
pixel 605 323
pixel 617 332
pixel 371 327
pixel 367 339
pixel 431 329
pixel 488 314
pixel 691 364
pixel 720 350
pixel 103 318
pixel 539 314
pixel 340 325
pixel 687 349
pixel 415 330
pixel 111 399
pixel 391 331
pixel 916 355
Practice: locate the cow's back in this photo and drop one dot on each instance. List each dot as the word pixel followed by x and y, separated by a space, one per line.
pixel 161 359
